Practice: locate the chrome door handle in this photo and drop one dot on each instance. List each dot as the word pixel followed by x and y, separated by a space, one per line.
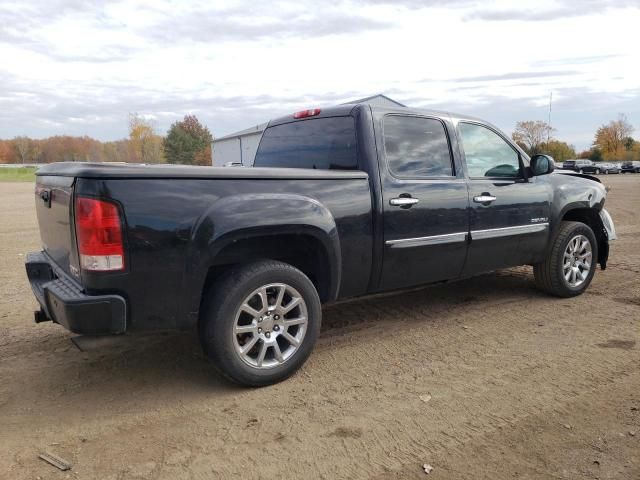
pixel 484 199
pixel 403 201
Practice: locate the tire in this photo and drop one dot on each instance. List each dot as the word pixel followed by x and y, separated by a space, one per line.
pixel 606 172
pixel 597 171
pixel 581 172
pixel 550 274
pixel 235 302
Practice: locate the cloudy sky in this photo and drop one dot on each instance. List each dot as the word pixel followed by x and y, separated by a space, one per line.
pixel 79 66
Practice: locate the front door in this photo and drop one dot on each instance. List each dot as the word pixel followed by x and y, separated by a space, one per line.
pixel 509 213
pixel 425 202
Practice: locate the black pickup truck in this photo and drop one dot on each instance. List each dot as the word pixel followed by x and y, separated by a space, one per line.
pixel 340 202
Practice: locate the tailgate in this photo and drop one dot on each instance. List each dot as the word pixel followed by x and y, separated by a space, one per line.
pixel 54 208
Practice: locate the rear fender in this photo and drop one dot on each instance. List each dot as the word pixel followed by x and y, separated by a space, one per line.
pixel 240 217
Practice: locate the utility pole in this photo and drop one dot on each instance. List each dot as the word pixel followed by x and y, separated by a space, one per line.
pixel 549 123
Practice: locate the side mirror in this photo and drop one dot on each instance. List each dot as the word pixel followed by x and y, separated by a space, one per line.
pixel 542 165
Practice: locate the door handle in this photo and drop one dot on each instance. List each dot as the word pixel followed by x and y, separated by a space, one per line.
pixel 484 198
pixel 404 202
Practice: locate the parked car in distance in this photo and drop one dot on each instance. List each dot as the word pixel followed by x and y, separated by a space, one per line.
pixel 609 167
pixel 580 166
pixel 341 202
pixel 630 167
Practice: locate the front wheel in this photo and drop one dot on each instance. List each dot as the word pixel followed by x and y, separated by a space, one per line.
pixel 597 171
pixel 260 322
pixel 571 261
pixel 581 171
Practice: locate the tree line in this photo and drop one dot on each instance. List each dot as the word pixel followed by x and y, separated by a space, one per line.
pixel 189 142
pixel 612 141
pixel 186 142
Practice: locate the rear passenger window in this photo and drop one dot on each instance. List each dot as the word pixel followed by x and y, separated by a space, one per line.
pixel 320 143
pixel 417 147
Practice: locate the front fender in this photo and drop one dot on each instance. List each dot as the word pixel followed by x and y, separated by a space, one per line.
pixel 243 216
pixel 583 200
pixel 571 193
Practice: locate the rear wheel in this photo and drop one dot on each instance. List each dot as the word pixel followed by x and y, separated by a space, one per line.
pixel 260 322
pixel 571 262
pixel 581 171
pixel 597 171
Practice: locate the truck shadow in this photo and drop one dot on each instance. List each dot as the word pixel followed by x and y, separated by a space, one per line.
pixel 162 356
pixel 163 367
pixel 429 303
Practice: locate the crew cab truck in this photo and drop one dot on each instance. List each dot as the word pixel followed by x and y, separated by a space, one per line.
pixel 340 202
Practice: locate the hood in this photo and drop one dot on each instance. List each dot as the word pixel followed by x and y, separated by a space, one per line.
pixel 578 175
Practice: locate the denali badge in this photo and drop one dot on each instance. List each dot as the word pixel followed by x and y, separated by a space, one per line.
pixel 539 219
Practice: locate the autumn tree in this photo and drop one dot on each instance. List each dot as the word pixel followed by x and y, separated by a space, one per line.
pixel 188 142
pixel 23 148
pixel 530 135
pixel 612 138
pixel 7 153
pixel 145 146
pixel 117 151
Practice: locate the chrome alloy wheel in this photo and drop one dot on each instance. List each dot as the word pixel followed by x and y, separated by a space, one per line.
pixel 270 325
pixel 577 261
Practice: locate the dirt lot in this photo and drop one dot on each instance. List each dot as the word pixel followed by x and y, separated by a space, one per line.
pixel 486 378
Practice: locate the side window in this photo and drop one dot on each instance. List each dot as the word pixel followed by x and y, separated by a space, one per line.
pixel 417 147
pixel 487 154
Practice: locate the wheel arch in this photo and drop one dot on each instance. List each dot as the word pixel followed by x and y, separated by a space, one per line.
pixel 237 230
pixel 591 217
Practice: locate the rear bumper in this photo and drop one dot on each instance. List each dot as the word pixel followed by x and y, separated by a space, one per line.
pixel 63 301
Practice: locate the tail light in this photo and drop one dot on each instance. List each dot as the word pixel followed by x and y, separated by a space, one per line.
pixel 307 113
pixel 99 235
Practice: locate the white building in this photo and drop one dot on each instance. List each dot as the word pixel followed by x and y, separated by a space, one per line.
pixel 241 147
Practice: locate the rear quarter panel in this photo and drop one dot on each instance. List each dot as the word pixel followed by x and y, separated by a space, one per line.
pixel 172 227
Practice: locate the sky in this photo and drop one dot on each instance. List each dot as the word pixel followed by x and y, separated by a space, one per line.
pixel 80 67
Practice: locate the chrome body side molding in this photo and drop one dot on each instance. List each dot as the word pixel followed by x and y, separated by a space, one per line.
pixel 462 236
pixel 432 240
pixel 508 231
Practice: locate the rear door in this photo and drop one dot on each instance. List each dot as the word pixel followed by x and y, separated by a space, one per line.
pixel 508 213
pixel 54 202
pixel 424 201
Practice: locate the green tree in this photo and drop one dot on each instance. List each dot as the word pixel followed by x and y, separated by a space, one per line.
pixel 596 155
pixel 560 151
pixel 188 142
pixel 629 143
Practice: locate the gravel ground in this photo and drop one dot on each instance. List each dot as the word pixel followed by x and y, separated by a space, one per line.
pixel 485 378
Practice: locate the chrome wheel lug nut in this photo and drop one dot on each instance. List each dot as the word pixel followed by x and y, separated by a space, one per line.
pixel 276 328
pixel 276 317
pixel 259 330
pixel 268 334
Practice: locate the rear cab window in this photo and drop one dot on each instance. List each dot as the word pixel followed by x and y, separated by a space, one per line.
pixel 320 143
